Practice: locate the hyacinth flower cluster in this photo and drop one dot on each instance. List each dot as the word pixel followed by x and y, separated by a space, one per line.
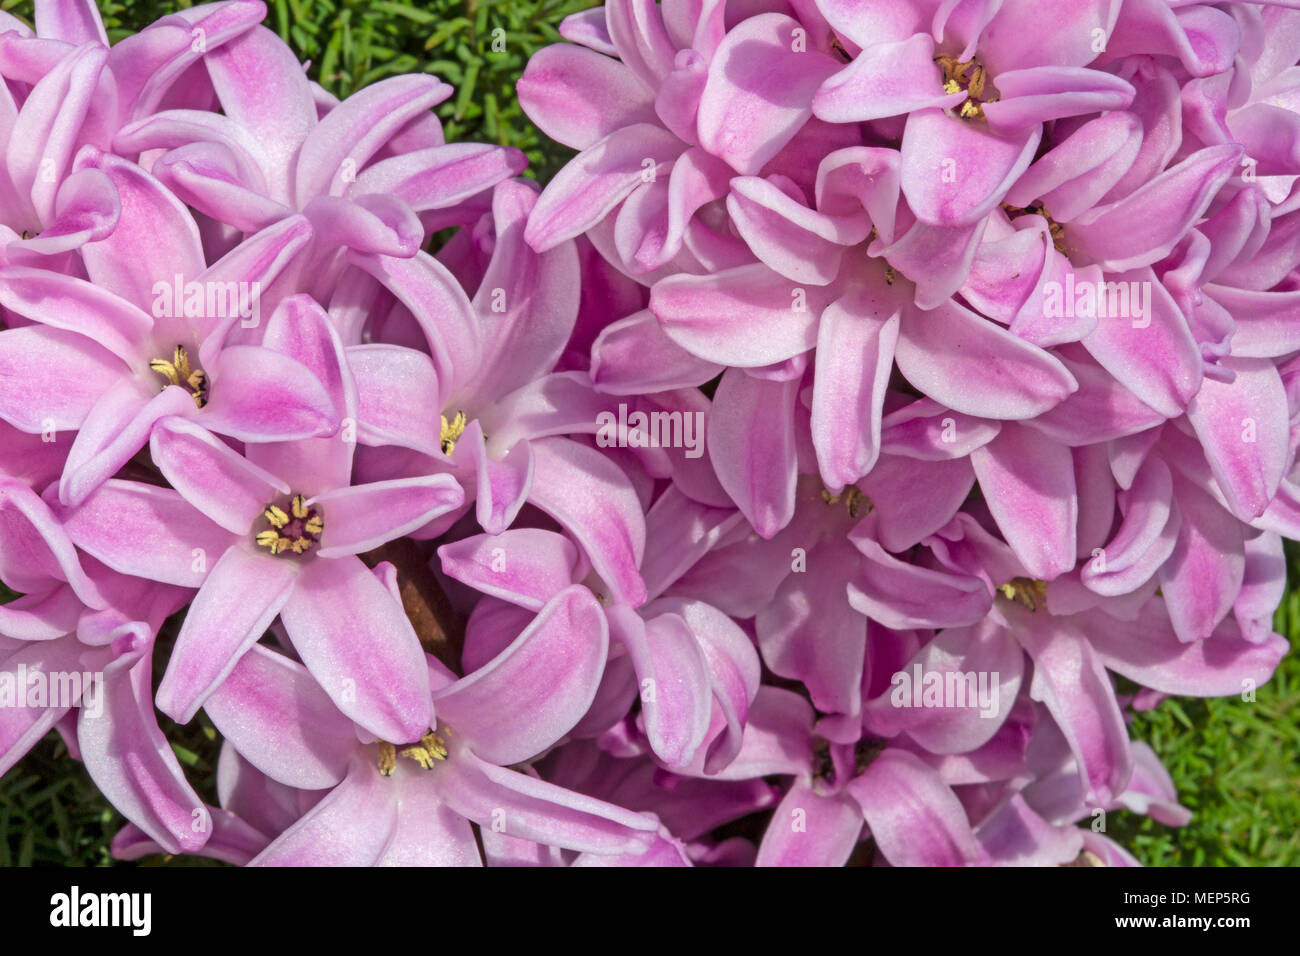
pixel 888 399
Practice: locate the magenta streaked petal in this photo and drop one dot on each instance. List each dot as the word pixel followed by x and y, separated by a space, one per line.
pixel 356 640
pixel 237 603
pixel 914 818
pixel 352 826
pixel 275 713
pixel 363 517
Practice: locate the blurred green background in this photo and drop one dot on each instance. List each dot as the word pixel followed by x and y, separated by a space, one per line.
pixel 1233 762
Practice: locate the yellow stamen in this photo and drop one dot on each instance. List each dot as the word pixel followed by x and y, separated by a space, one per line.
pixel 166 370
pixel 856 501
pixel 1026 592
pixel 298 530
pixel 387 758
pixel 427 752
pixel 965 75
pixel 179 372
pixel 451 431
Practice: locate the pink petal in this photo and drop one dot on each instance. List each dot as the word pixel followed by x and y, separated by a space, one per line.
pixel 974 366
pixel 577 96
pixel 752 447
pixel 363 517
pixel 213 477
pixel 273 710
pixel 747 316
pixel 237 603
pixel 855 344
pixel 356 640
pixel 759 92
pixel 352 826
pixel 526 566
pixel 146 531
pixel 1028 483
pixel 532 693
pixel 914 817
pixel 592 500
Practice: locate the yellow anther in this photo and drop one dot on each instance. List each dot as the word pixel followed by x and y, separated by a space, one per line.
pixel 1026 592
pixel 451 431
pixel 965 75
pixel 296 530
pixel 166 369
pixel 435 745
pixel 426 754
pixel 179 372
pixel 857 501
pixel 387 758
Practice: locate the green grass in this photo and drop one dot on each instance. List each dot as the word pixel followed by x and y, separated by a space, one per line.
pixel 1233 762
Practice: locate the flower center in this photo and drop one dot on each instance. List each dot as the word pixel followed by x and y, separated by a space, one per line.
pixel 855 502
pixel 296 530
pixel 179 372
pixel 426 753
pixel 1026 592
pixel 451 431
pixel 968 75
pixel 865 750
pixel 1036 208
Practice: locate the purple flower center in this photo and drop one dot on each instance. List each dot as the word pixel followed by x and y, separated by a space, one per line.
pixel 968 75
pixel 854 501
pixel 294 527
